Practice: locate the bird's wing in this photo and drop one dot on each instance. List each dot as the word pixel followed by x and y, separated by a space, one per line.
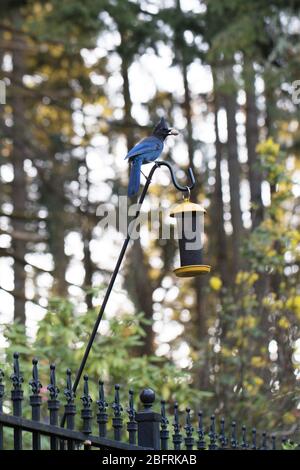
pixel 150 144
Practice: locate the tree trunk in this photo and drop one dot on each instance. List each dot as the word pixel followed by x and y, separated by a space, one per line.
pixel 137 268
pixel 199 315
pixel 252 135
pixel 56 229
pixel 57 248
pixel 188 115
pixel 199 319
pixel 127 101
pixel 218 207
pixel 19 191
pixel 142 292
pixel 234 180
pixel 87 235
pixel 88 264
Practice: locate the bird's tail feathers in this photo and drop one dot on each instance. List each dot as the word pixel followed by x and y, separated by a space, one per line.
pixel 135 177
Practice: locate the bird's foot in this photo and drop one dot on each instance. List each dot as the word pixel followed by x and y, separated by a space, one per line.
pixel 144 175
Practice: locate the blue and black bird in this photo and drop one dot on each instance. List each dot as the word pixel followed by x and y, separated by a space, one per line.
pixel 146 151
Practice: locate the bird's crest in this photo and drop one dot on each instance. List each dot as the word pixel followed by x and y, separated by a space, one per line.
pixel 161 125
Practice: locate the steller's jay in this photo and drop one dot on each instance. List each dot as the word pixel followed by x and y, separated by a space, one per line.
pixel 146 151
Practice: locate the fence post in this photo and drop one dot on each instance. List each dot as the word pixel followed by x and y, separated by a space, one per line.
pixel 148 421
pixel 1 406
pixel 17 397
pixel 201 444
pixel 86 412
pixel 222 436
pixel 177 437
pixel 35 403
pixel 164 432
pixel 102 416
pixel 70 408
pixel 131 424
pixel 53 405
pixel 212 434
pixel 188 440
pixel 117 421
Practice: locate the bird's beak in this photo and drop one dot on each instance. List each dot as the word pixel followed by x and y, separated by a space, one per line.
pixel 173 132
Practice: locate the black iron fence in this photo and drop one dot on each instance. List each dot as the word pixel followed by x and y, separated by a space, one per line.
pixel 118 427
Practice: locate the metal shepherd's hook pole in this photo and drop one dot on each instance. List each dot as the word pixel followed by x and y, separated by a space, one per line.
pixel 119 262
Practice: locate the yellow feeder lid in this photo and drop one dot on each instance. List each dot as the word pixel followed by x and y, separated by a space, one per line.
pixel 187 206
pixel 192 270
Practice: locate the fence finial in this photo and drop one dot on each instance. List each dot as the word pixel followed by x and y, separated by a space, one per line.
pixel 86 398
pixel 102 416
pixel 16 377
pixel 164 433
pixel 52 388
pixel 86 412
pixel 117 407
pixel 53 405
pixel 177 437
pixel 264 441
pixel 117 419
pixel 70 408
pixel 234 443
pixel 35 402
pixel 68 392
pixel 147 397
pixel 131 424
pixel 212 433
pixel 102 405
pixel 254 445
pixel 164 419
pixel 223 439
pixel 244 443
pixel 148 421
pixel 130 410
pixel 34 382
pixel 189 440
pixel 17 396
pixel 201 434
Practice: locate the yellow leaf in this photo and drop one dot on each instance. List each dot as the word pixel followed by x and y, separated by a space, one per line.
pixel 293 303
pixel 258 381
pixel 257 361
pixel 268 147
pixel 289 418
pixel 284 323
pixel 215 283
pixel 165 392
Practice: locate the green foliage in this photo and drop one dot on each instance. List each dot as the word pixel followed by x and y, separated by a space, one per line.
pixel 289 445
pixel 260 309
pixel 229 353
pixel 61 339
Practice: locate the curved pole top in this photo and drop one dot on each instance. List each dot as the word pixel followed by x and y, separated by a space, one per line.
pixel 174 180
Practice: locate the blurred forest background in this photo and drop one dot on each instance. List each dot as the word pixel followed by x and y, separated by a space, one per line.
pixel 85 81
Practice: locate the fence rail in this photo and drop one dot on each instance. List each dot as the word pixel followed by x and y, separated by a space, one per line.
pixel 143 430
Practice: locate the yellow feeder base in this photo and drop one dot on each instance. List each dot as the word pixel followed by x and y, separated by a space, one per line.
pixel 192 270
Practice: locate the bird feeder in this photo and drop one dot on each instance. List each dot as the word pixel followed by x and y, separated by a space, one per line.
pixel 190 227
